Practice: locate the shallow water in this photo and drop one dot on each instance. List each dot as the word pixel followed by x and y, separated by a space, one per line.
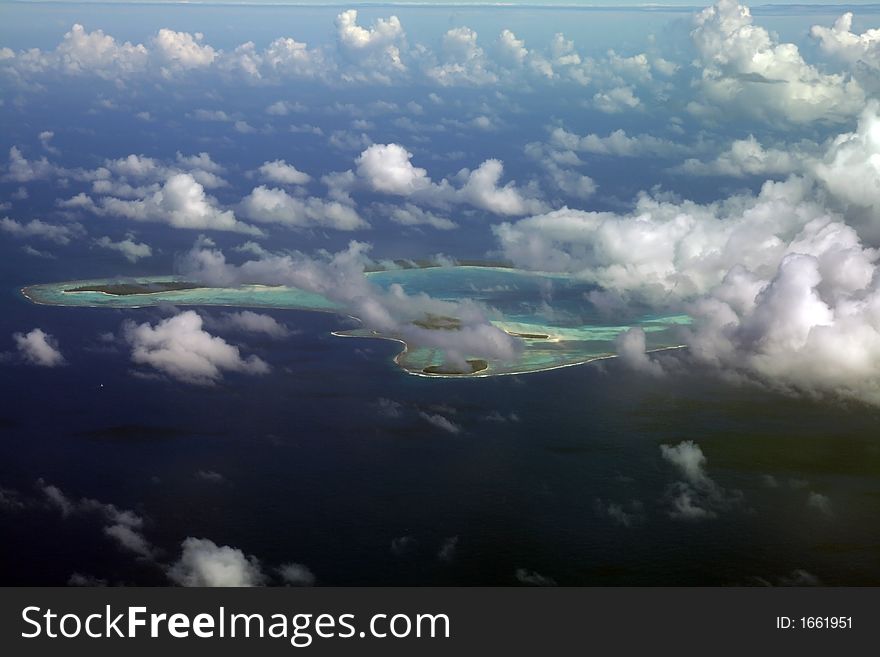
pixel 576 331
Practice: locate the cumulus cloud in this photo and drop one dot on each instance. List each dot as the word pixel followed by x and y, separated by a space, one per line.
pixel 251 322
pixel 781 289
pixel 462 61
pixel 441 422
pixel 279 171
pixel 125 527
pixel 275 206
pixel 851 165
pixel 616 100
pixel 95 52
pixel 182 50
pixel 697 496
pixel 665 250
pixel 616 143
pixel 388 169
pixel 296 574
pixel 481 189
pixel 747 157
pixel 203 563
pixel 631 349
pixel 375 52
pixel 133 251
pixel 20 169
pixel 857 50
pixel 746 70
pixel 182 349
pixel 412 215
pixel 46 137
pixel 130 539
pixel 58 233
pixel 38 348
pixel 378 53
pixel 181 202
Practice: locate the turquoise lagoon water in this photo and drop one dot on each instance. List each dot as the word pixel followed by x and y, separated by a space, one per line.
pixel 521 302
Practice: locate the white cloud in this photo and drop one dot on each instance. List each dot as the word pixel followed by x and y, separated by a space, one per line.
pixel 284 107
pixel 20 169
pixel 689 459
pixel 388 169
pixel 122 525
pixel 182 349
pixel 441 422
pixel 462 61
pixel 616 100
pixel 354 36
pixel 373 54
pixel 276 206
pixel 697 497
pixel 183 50
pixel 412 215
pixel 631 349
pixel 203 563
pixel 781 290
pixel 251 322
pixel 84 52
pixel 481 189
pixel 130 539
pixel 746 70
pixel 617 143
pixel 747 157
pixel 181 202
pixel 511 48
pixel 219 116
pixel 665 250
pixel 36 253
pixel 855 49
pixel 287 58
pixel 133 251
pixel 38 348
pixel 279 171
pixel 851 166
pixel 45 138
pixel 296 574
pixel 58 233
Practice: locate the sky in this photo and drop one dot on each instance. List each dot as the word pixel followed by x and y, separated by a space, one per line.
pixel 717 163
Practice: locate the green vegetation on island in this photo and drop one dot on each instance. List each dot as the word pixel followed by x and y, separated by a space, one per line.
pixel 476 365
pixel 529 336
pixel 434 322
pixel 126 289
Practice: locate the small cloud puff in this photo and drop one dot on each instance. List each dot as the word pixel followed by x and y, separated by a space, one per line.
pixel 38 348
pixel 180 348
